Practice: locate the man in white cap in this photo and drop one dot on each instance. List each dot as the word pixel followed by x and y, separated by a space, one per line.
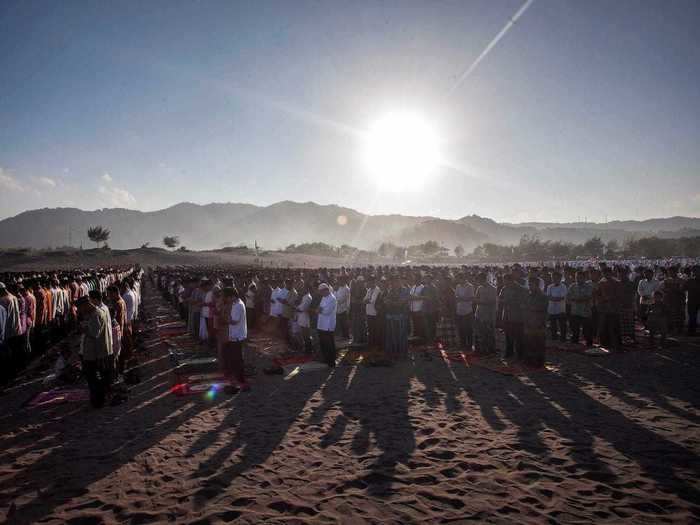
pixel 326 324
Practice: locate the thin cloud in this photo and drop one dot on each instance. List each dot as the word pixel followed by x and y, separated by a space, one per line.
pixel 46 181
pixel 8 182
pixel 116 197
pixel 107 177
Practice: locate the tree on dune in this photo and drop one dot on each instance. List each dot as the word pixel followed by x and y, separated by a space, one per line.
pixel 171 241
pixel 98 234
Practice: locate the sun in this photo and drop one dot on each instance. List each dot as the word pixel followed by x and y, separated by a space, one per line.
pixel 401 152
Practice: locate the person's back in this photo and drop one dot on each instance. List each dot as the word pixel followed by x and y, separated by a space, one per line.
pixel 96 344
pixel 515 296
pixel 487 301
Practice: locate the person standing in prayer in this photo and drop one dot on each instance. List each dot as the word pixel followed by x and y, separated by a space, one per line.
pixel 464 297
pixel 609 295
pixel 196 301
pixel 30 314
pixel 251 305
pixel 371 300
pixel 396 328
pixel 430 308
pixel 674 298
pixel 289 308
pixel 692 288
pixel 206 314
pixel 96 350
pixel 358 313
pixel 326 324
pixel 511 301
pixel 535 325
pixel 658 318
pixel 5 364
pixel 645 289
pixel 342 295
pixel 486 301
pixel 446 330
pixel 556 309
pixel 13 336
pixel 416 306
pixel 628 301
pixel 304 316
pixel 237 334
pixel 580 297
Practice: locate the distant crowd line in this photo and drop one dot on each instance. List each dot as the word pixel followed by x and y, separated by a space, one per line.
pixel 382 307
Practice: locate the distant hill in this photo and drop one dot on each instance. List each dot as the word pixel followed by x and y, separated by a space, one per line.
pixel 278 225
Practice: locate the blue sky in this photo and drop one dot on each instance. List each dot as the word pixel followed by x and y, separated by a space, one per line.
pixel 585 109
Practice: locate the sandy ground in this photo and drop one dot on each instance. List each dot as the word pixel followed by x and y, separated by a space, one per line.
pixel 604 440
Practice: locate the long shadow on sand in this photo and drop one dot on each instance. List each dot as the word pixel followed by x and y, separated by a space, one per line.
pixel 551 401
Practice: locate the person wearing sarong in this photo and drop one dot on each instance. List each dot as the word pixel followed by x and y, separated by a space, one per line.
pixel 223 312
pixel 342 295
pixel 510 313
pixel 645 289
pixel 430 309
pixel 535 325
pixel 674 300
pixel 416 307
pixel 233 366
pixel 372 309
pixel 627 307
pixel 303 316
pixel 609 301
pixel 486 302
pixel 196 300
pixel 358 314
pixel 289 302
pixel 658 317
pixel 580 297
pixel 556 309
pixel 464 309
pixel 326 324
pixel 251 305
pixel 692 288
pixel 446 329
pixel 206 315
pixel 396 325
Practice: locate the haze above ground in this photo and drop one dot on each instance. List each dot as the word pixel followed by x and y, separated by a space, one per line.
pixel 583 110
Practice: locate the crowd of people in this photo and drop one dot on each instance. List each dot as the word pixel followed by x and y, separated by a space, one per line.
pixel 39 309
pixel 459 308
pixel 381 308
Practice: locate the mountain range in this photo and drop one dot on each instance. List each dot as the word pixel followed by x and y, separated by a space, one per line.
pixel 219 225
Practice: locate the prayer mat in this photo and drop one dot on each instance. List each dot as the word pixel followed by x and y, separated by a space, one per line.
pixel 291 371
pixel 209 388
pixel 292 360
pixel 498 365
pixel 57 396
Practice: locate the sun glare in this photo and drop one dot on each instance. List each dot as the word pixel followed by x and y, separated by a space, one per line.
pixel 401 152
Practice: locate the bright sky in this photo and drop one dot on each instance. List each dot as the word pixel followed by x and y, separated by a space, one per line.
pixel 583 108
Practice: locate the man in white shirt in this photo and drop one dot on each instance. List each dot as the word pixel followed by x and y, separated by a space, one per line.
pixel 464 296
pixel 276 307
pixel 237 334
pixel 416 308
pixel 374 328
pixel 342 296
pixel 645 290
pixel 556 308
pixel 326 324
